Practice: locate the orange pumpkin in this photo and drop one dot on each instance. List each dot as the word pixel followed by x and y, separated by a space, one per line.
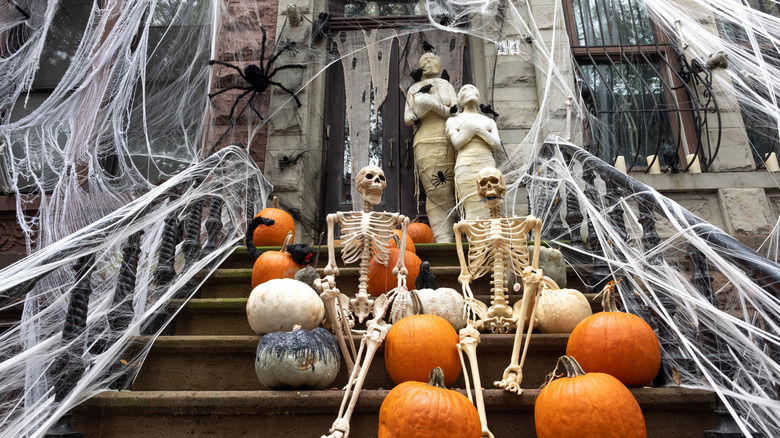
pixel 381 278
pixel 420 232
pixel 396 240
pixel 420 410
pixel 617 343
pixel 416 344
pixel 274 235
pixel 274 264
pixel 592 405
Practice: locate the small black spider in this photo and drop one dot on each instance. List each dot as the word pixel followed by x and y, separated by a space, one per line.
pixel 442 177
pixel 289 160
pixel 443 19
pixel 258 76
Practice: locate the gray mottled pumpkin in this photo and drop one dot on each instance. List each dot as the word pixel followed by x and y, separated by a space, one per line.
pixel 307 359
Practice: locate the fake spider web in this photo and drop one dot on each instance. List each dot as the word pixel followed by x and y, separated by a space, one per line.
pixel 127 115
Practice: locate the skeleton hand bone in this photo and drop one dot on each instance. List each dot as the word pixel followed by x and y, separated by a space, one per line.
pixel 513 376
pixel 340 429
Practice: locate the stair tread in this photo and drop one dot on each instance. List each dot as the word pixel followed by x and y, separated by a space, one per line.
pixel 219 342
pixel 272 402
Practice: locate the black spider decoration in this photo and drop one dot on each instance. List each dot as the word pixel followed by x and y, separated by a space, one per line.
pixel 444 19
pixel 258 76
pixel 289 160
pixel 442 177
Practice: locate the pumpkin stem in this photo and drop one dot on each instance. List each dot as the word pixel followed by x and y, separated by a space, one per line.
pixel 608 300
pixel 417 305
pixel 287 241
pixel 275 202
pixel 436 378
pixel 570 366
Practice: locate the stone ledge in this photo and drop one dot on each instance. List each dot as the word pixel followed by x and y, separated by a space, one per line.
pixel 684 182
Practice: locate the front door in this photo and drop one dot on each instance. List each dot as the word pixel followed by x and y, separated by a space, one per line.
pixel 390 145
pixel 390 139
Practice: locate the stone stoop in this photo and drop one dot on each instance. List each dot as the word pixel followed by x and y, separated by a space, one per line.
pixel 200 382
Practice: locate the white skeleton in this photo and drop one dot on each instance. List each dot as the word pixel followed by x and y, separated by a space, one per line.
pixel 495 244
pixel 365 234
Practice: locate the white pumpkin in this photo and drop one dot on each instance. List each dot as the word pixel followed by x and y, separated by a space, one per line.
pixel 560 310
pixel 278 305
pixel 444 302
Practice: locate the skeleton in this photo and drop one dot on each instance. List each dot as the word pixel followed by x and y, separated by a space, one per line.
pixel 366 235
pixel 494 244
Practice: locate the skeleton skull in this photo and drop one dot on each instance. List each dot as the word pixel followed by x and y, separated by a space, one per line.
pixel 491 186
pixel 370 183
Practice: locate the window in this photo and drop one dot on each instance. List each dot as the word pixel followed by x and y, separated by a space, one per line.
pixel 630 79
pixel 760 127
pixel 176 66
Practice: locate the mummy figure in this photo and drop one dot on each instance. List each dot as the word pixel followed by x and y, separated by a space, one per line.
pixel 366 235
pixel 494 245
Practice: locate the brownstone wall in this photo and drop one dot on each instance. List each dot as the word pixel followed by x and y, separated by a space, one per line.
pixel 12 241
pixel 239 42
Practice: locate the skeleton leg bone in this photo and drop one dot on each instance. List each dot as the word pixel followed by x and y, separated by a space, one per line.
pixel 469 339
pixel 375 335
pixel 513 374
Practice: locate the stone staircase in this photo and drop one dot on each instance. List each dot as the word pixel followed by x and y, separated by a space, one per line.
pixel 200 381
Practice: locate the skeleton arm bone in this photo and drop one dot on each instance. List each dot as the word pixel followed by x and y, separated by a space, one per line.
pixel 331 268
pixel 513 374
pixel 537 241
pixel 400 267
pixel 465 276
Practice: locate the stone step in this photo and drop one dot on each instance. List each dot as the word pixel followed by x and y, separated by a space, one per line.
pixel 438 254
pixel 668 412
pixel 227 316
pixel 237 282
pixel 226 363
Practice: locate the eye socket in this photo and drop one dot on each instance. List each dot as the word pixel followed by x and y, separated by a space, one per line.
pixel 381 178
pixel 369 176
pixel 493 180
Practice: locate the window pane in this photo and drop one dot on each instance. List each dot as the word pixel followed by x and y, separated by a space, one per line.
pixel 381 8
pixel 611 23
pixel 67 29
pixel 631 112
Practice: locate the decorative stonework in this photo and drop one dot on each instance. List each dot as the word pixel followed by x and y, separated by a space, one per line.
pixel 746 211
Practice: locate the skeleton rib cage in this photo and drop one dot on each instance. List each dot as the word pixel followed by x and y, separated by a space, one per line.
pixel 374 228
pixel 484 252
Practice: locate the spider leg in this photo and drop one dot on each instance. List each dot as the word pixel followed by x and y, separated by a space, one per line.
pixel 287 90
pixel 273 58
pixel 252 105
pixel 285 67
pixel 234 87
pixel 262 53
pixel 238 99
pixel 235 67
